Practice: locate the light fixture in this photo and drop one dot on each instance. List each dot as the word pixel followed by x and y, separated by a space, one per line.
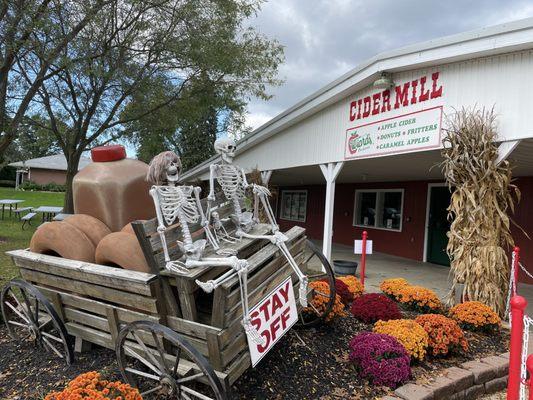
pixel 384 81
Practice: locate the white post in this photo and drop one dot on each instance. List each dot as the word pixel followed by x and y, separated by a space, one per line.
pixel 265 177
pixel 330 172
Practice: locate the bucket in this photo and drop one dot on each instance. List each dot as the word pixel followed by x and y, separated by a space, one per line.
pixel 344 267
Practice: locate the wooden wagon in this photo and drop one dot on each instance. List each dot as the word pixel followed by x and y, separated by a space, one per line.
pixel 172 340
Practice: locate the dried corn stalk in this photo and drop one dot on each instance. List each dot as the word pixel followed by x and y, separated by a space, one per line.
pixel 255 177
pixel 482 197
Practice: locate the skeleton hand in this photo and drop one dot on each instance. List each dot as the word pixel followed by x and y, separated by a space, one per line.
pixel 254 335
pixel 278 237
pixel 260 190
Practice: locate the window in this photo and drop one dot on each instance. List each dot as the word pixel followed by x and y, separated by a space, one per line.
pixel 294 205
pixel 380 209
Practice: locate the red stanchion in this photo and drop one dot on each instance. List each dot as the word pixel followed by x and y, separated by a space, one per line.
pixel 529 366
pixel 363 258
pixel 516 266
pixel 518 306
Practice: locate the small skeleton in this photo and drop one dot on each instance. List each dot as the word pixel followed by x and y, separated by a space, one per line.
pixel 182 203
pixel 232 180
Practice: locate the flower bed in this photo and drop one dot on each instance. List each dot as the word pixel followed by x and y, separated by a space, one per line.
pixel 307 363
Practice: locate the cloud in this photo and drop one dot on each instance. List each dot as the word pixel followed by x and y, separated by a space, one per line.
pixel 325 38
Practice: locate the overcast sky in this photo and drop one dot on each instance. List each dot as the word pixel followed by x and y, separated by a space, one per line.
pixel 325 38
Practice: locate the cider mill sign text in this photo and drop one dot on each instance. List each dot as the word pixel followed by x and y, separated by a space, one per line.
pixel 411 131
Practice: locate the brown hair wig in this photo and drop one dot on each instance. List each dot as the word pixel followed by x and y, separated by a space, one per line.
pixel 158 166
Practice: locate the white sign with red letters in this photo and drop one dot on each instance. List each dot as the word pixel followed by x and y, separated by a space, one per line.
pixel 272 317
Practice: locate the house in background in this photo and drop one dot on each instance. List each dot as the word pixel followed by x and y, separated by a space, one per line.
pixel 43 170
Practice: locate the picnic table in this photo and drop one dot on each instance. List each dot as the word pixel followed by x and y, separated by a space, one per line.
pixel 48 212
pixel 10 203
pixel 61 216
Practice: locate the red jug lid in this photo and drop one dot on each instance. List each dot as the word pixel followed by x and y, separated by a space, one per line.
pixel 112 152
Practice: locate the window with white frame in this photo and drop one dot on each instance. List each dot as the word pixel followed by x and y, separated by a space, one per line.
pixel 380 209
pixel 293 205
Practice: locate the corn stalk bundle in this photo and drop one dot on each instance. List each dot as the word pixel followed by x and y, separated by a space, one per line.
pixel 255 177
pixel 482 197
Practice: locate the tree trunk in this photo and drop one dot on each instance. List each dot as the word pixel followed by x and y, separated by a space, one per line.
pixel 72 169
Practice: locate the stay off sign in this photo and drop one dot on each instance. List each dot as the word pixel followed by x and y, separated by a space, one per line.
pixel 272 317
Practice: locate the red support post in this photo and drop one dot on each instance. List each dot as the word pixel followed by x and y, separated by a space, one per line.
pixel 363 258
pixel 518 307
pixel 516 266
pixel 529 366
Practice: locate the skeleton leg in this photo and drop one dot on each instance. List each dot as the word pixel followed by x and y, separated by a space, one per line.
pixel 279 240
pixel 241 268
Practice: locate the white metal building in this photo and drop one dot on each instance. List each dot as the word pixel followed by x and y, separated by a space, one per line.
pixel 378 145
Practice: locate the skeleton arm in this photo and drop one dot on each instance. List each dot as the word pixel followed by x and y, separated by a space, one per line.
pixel 203 220
pixel 212 172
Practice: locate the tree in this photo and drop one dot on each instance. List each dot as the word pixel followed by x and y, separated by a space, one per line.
pixel 29 34
pixel 129 45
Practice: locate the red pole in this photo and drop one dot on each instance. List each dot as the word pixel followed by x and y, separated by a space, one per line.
pixel 516 266
pixel 529 366
pixel 518 306
pixel 363 258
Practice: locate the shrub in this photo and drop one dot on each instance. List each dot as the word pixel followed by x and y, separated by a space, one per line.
pixel 90 385
pixel 408 332
pixel 391 287
pixel 444 333
pixel 319 301
pixel 354 285
pixel 380 358
pixel 372 307
pixel 473 315
pixel 419 299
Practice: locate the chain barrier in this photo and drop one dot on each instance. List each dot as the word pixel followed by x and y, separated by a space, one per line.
pixel 525 270
pixel 512 287
pixel 523 369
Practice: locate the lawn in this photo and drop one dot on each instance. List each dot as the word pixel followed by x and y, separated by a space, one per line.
pixel 11 234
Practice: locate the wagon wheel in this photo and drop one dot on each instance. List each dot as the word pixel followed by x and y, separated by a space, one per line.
pixel 162 363
pixel 29 316
pixel 317 268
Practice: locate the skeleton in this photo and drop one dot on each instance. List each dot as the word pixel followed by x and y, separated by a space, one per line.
pixel 232 180
pixel 182 203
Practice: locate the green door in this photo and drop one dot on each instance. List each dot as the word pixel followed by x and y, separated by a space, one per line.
pixel 438 225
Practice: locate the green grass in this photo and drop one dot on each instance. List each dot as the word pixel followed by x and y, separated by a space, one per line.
pixel 11 234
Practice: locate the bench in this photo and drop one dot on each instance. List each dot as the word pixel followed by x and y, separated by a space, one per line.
pixel 27 218
pixel 18 211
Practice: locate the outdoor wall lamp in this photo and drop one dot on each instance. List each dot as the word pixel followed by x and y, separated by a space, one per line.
pixel 384 81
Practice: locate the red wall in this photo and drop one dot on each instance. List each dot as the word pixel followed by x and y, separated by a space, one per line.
pixel 409 242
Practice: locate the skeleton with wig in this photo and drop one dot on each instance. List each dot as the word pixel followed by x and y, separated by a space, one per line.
pixel 182 203
pixel 232 180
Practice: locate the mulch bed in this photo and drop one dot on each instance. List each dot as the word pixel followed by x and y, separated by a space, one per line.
pixel 306 364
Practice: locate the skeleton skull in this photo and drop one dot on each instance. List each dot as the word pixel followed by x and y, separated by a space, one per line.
pixel 226 148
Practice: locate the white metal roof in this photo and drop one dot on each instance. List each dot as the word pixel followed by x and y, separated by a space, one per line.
pixel 56 162
pixel 499 39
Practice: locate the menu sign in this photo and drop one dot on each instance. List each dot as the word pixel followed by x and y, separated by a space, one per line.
pixel 420 130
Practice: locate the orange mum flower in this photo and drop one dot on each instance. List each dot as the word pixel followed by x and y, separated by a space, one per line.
pixel 320 301
pixel 90 386
pixel 474 315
